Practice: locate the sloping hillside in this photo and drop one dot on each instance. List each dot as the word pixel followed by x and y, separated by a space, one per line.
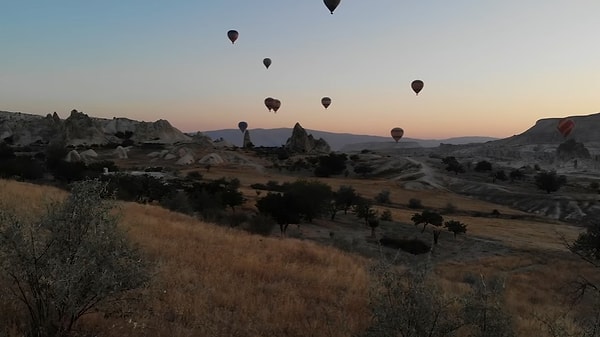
pixel 545 131
pixel 212 281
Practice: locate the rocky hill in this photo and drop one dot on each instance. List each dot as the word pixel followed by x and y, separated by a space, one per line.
pixel 303 143
pixel 587 130
pixel 80 129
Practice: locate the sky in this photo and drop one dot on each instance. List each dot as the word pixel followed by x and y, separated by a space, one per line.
pixel 490 68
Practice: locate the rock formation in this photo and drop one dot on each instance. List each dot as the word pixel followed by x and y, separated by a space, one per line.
pixel 303 143
pixel 572 149
pixel 81 129
pixel 247 142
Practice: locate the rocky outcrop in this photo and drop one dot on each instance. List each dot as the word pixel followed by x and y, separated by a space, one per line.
pixel 211 158
pixel 81 129
pixel 303 143
pixel 572 149
pixel 247 142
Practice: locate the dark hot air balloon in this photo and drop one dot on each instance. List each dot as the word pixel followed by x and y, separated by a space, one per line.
pixel 267 62
pixel 269 103
pixel 417 86
pixel 243 126
pixel 397 133
pixel 565 126
pixel 232 35
pixel 331 4
pixel 276 104
pixel 326 101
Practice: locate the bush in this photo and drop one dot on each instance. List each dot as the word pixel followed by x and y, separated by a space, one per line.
pixel 483 165
pixel 261 224
pixel 65 264
pixel 386 215
pixel 234 219
pixel 194 175
pixel 415 203
pixel 177 201
pixel 383 197
pixel 413 246
pixel 550 181
pixel 409 302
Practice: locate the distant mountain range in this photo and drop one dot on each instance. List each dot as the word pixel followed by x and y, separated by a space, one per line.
pixel 337 141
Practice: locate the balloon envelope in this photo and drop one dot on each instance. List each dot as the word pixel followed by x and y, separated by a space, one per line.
pixel 267 62
pixel 417 86
pixel 397 133
pixel 243 126
pixel 276 104
pixel 331 4
pixel 232 35
pixel 326 101
pixel 269 103
pixel 565 126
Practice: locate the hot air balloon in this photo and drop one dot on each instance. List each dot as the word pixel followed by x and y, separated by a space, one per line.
pixel 269 103
pixel 243 126
pixel 267 62
pixel 417 86
pixel 276 104
pixel 397 133
pixel 326 101
pixel 331 4
pixel 565 126
pixel 232 35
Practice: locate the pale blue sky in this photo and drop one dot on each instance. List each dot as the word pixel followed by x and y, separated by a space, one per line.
pixel 490 67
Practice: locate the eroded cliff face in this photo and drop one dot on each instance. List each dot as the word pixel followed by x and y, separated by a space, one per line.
pixel 301 142
pixel 81 129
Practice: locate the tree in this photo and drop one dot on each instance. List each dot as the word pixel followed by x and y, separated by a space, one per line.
pixel 453 165
pixel 331 164
pixel 386 215
pixel 587 245
pixel 311 198
pixel 281 208
pixel 516 174
pixel 455 227
pixel 549 181
pixel 345 197
pixel 483 165
pixel 363 169
pixel 373 223
pixel 66 263
pixel 383 197
pixel 232 197
pixel 363 209
pixel 500 175
pixel 484 309
pixel 427 217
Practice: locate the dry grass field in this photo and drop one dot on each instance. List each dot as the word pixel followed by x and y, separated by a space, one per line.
pixel 211 281
pixel 216 281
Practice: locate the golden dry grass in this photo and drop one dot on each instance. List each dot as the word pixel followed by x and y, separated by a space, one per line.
pixel 211 281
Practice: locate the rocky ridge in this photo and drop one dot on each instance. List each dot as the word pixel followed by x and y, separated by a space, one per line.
pixel 80 129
